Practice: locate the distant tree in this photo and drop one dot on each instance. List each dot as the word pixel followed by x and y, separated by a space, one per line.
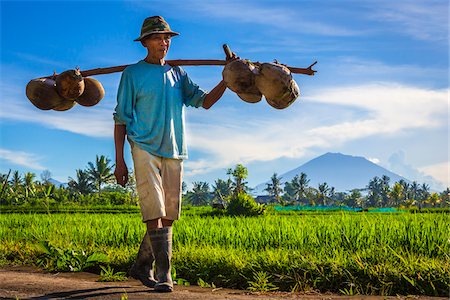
pixel 445 197
pixel 323 193
pixel 274 187
pixel 130 187
pixel 424 192
pixel 45 177
pixel 100 172
pixel 312 195
pixel 384 191
pixel 82 184
pixel 354 199
pixel 4 188
pixel 184 187
pixel 433 200
pixel 296 188
pixel 200 194
pixel 29 184
pixel 405 189
pixel 222 189
pixel 338 198
pixel 396 194
pixel 16 181
pixel 374 188
pixel 239 174
pixel 414 190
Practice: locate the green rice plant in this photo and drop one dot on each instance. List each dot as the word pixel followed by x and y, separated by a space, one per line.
pixel 381 254
pixel 204 284
pixel 108 274
pixel 261 283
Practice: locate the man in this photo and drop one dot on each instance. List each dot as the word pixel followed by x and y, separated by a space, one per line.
pixel 150 113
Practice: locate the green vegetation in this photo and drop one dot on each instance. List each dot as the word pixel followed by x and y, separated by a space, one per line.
pixel 383 254
pixel 242 204
pixel 109 275
pixel 232 241
pixel 96 186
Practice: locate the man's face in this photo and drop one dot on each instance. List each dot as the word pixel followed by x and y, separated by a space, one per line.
pixel 157 44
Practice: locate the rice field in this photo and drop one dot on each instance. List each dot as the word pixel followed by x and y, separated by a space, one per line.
pixel 343 252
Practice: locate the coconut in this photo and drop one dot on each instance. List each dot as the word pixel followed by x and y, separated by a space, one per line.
pixel 275 82
pixel 70 84
pixel 64 105
pixel 93 92
pixel 42 93
pixel 239 76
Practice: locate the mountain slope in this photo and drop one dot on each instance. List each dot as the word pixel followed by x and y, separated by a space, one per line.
pixel 343 172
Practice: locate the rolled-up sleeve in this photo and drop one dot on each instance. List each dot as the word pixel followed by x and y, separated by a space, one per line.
pixel 193 95
pixel 123 112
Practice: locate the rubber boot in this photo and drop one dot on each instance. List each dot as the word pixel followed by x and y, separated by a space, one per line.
pixel 142 269
pixel 161 240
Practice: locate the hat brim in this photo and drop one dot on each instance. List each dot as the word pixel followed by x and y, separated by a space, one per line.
pixel 172 33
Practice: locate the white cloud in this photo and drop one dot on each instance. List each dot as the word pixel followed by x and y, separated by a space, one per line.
pixel 334 116
pixel 423 20
pixel 440 171
pixel 90 121
pixel 399 165
pixel 94 122
pixel 20 158
pixel 374 160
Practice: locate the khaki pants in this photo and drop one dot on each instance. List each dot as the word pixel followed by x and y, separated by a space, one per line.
pixel 158 182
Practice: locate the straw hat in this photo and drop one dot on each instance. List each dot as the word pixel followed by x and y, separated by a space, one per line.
pixel 155 24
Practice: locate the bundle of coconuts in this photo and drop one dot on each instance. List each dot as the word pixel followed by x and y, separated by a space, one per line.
pixel 61 92
pixel 250 81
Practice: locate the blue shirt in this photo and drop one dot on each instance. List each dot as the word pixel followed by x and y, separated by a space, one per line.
pixel 150 103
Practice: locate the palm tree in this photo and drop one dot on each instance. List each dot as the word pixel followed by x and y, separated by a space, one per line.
pixel 239 174
pixel 200 194
pixel 354 198
pixel 222 189
pixel 385 190
pixel 396 194
pixel 101 172
pixel 4 186
pixel 323 191
pixel 374 196
pixel 405 188
pixel 445 197
pixel 82 183
pixel 274 187
pixel 424 191
pixel 16 181
pixel 297 187
pixel 414 190
pixel 29 184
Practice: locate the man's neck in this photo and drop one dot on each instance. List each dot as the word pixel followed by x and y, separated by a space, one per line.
pixel 155 61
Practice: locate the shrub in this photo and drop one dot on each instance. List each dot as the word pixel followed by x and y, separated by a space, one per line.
pixel 242 204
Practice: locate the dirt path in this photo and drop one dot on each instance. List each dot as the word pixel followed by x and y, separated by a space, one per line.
pixel 31 283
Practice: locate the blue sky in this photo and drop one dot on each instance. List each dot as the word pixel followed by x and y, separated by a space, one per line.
pixel 381 91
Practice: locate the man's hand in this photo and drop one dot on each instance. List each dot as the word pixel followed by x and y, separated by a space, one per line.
pixel 231 58
pixel 121 173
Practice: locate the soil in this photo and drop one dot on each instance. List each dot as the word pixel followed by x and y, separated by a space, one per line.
pixel 31 283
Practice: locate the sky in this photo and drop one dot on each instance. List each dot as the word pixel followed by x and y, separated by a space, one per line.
pixel 381 90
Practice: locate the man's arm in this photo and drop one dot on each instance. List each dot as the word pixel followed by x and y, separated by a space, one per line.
pixel 214 95
pixel 121 171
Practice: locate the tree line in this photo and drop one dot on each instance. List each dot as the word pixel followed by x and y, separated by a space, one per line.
pixel 378 193
pixel 96 185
